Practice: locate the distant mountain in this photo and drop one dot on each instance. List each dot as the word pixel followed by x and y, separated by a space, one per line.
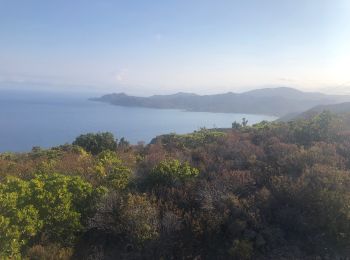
pixel 341 108
pixel 285 92
pixel 269 101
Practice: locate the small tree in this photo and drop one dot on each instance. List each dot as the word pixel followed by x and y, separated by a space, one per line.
pixel 244 122
pixel 123 144
pixel 236 125
pixel 96 143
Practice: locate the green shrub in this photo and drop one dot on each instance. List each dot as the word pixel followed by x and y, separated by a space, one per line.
pixel 111 169
pixel 171 172
pixel 96 143
pixel 50 206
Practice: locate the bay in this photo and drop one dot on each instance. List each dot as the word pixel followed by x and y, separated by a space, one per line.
pixel 30 119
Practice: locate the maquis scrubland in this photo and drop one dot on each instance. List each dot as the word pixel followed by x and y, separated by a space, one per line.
pixel 274 190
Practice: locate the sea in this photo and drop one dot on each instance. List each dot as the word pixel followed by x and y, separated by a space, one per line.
pixel 48 119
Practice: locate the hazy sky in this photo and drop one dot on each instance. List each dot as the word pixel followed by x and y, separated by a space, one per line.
pixel 164 46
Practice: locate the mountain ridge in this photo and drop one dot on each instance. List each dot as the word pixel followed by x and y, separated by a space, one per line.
pixel 279 101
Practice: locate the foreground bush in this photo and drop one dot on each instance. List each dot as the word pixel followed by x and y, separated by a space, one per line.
pixel 50 207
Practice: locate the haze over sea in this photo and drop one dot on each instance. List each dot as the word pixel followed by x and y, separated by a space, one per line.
pixel 30 119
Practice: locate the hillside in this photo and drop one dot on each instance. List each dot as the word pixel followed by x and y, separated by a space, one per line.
pixel 269 191
pixel 268 101
pixel 341 108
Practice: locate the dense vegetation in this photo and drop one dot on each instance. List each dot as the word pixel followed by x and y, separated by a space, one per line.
pixel 269 191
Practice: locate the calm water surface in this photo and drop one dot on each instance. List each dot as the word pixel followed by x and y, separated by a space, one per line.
pixel 46 120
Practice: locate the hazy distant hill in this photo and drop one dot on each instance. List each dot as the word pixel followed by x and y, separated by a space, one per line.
pixel 341 108
pixel 268 101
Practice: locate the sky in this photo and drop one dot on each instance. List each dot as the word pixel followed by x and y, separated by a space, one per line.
pixel 164 46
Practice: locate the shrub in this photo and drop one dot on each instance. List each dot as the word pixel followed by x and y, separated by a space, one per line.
pixel 50 206
pixel 96 143
pixel 111 169
pixel 171 172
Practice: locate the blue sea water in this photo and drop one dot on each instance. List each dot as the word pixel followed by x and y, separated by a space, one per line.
pixel 48 119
